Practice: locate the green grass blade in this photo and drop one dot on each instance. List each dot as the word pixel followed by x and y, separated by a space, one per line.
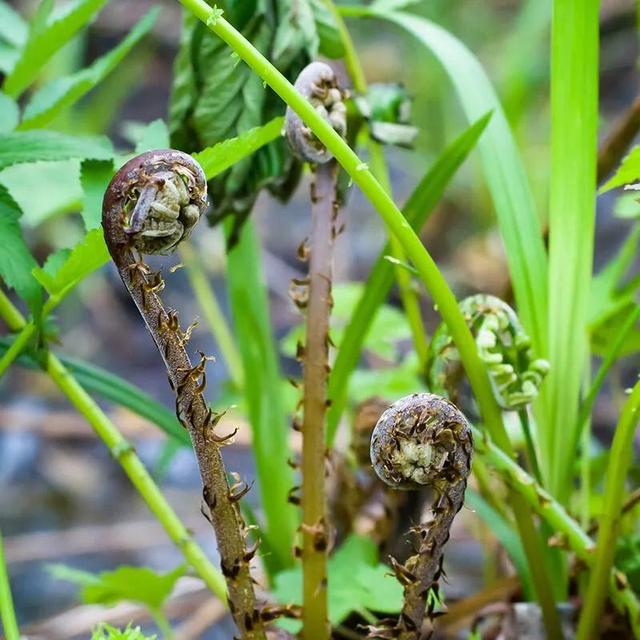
pixel 117 390
pixel 263 394
pixel 574 120
pixel 416 210
pixel 59 94
pixel 46 39
pixel 509 186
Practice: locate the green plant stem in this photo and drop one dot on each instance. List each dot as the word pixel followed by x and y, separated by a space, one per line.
pixel 7 612
pixel 619 462
pixel 216 322
pixel 532 458
pixel 315 534
pixel 397 225
pixel 126 456
pixel 556 516
pixel 164 626
pixel 16 346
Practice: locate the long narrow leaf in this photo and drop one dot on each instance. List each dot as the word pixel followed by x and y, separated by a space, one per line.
pixel 45 39
pixel 117 390
pixel 263 394
pixel 574 121
pixel 416 210
pixel 517 218
pixel 61 93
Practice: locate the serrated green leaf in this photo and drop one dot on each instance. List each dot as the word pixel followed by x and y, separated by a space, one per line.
pixel 95 176
pixel 155 135
pixel 107 632
pixel 16 261
pixel 9 114
pixel 45 39
pixel 131 584
pixel 87 256
pixel 44 189
pixel 330 42
pixel 33 146
pixel 628 172
pixel 13 29
pixel 218 158
pixel 392 5
pixel 59 94
pixel 356 582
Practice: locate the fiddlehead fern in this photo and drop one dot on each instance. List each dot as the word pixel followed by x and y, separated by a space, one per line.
pixel 504 347
pixel 422 441
pixel 150 206
pixel 318 84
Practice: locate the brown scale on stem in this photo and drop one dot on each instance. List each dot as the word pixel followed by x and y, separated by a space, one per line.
pixel 317 82
pixel 422 441
pixel 150 206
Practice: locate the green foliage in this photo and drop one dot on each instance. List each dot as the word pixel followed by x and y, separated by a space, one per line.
pixel 33 146
pixel 132 584
pixel 517 217
pixel 627 173
pixel 107 632
pixel 48 32
pixel 9 114
pixel 95 176
pixel 357 583
pixel 220 157
pixel 65 269
pixel 416 210
pixel 57 95
pixel 215 97
pixel 16 261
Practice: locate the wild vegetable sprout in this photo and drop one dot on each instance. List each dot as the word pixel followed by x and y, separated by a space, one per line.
pixel 362 471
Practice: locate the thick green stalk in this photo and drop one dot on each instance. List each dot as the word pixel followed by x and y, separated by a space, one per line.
pixel 556 516
pixel 126 456
pixel 216 322
pixel 619 462
pixel 429 273
pixel 16 347
pixel 7 613
pixel 574 120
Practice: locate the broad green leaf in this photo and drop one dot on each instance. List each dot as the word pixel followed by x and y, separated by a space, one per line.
pixel 16 261
pixel 118 390
pixel 9 114
pixel 627 205
pixel 508 183
pixel 218 158
pixel 87 256
pixel 131 584
pixel 44 189
pixel 392 5
pixel 32 146
pixel 628 172
pixel 59 94
pixel 13 29
pixel 330 42
pixel 45 39
pixel 356 583
pixel 263 393
pixel 8 57
pixel 154 136
pixel 95 176
pixel 416 210
pixel 107 632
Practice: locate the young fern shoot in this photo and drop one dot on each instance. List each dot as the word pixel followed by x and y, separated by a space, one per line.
pixel 422 441
pixel 150 206
pixel 318 84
